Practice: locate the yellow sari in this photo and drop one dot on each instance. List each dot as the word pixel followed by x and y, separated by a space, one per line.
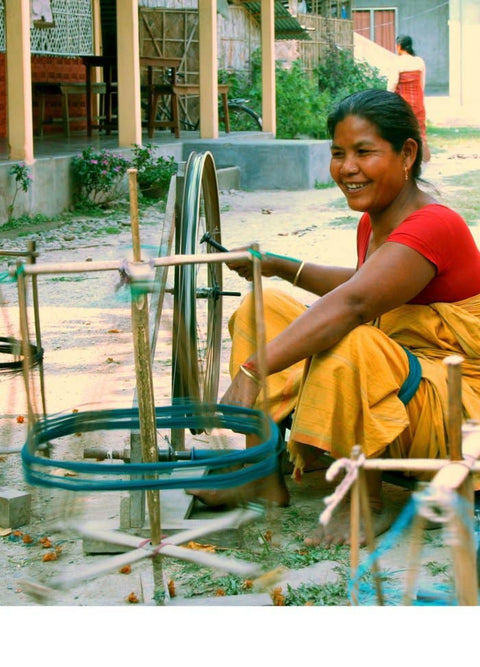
pixel 348 394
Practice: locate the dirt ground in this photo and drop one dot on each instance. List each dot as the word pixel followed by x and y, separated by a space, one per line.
pixel 85 329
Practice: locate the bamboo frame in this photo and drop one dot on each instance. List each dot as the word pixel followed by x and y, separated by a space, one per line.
pixel 136 270
pixel 453 474
pixel 143 368
pixel 140 549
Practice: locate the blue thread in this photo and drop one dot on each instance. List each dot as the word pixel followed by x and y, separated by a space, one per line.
pixel 411 384
pixel 5 277
pixel 441 595
pixel 255 253
pixel 290 259
pixel 262 460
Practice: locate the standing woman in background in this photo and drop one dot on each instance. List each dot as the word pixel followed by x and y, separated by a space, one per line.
pixel 408 80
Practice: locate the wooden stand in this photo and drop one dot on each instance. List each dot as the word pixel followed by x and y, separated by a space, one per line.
pixel 453 476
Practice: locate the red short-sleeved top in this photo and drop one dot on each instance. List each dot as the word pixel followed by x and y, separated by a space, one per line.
pixel 443 237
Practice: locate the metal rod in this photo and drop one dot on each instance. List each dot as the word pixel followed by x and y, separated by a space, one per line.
pixel 36 315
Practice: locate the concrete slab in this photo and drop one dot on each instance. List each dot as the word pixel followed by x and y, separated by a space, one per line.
pixel 281 164
pixel 14 508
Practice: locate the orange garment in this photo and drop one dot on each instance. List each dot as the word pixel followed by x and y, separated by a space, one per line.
pixel 348 395
pixel 409 87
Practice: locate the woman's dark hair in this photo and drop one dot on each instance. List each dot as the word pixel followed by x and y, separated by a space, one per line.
pixel 406 44
pixel 388 112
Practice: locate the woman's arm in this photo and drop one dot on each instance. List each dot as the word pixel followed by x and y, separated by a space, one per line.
pixel 315 278
pixel 393 75
pixel 391 277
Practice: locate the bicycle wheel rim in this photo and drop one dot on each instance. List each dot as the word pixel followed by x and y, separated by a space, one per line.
pixel 243 119
pixel 197 336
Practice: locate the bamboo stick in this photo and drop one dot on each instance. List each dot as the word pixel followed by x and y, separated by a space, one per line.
pixel 455 411
pixel 143 369
pixel 463 549
pixel 118 265
pixel 416 543
pixel 140 550
pixel 260 326
pixel 26 366
pixel 355 526
pixel 369 532
pixel 132 188
pixel 458 477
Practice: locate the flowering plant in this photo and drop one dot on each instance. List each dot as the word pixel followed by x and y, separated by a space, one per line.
pixel 98 176
pixel 23 181
pixel 153 172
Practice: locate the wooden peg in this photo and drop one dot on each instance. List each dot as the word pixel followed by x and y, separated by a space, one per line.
pixel 455 411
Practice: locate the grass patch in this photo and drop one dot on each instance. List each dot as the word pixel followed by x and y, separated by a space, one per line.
pixel 271 543
pixel 68 279
pixel 436 568
pixel 325 186
pixel 462 195
pixel 111 230
pixel 453 134
pixel 27 223
pixel 346 222
pixel 441 139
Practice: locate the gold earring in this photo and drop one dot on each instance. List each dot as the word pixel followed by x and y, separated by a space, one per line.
pixel 406 172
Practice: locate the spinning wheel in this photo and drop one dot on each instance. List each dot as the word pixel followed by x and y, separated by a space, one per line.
pixel 197 318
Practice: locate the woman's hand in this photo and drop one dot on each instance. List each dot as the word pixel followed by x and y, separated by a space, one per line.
pixel 244 267
pixel 243 391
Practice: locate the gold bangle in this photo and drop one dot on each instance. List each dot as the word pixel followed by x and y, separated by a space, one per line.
pixel 297 275
pixel 250 375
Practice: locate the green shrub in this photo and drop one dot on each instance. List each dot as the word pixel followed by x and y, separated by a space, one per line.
pixel 153 172
pixel 23 180
pixel 301 109
pixel 340 75
pixel 98 176
pixel 304 102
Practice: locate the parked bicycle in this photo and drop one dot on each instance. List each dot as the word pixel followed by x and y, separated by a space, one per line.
pixel 242 118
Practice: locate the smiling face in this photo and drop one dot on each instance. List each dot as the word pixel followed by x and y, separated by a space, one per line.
pixel 365 167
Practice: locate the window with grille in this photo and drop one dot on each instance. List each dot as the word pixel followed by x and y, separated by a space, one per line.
pixel 71 33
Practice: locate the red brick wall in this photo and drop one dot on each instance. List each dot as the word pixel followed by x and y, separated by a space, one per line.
pixel 48 69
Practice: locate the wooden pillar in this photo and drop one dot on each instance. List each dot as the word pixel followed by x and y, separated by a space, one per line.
pixel 19 81
pixel 455 51
pixel 128 60
pixel 268 67
pixel 97 50
pixel 207 34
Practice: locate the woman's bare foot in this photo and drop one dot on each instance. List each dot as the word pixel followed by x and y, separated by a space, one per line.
pixel 337 531
pixel 383 513
pixel 272 489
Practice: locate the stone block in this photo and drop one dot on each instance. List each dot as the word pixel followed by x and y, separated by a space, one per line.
pixel 14 508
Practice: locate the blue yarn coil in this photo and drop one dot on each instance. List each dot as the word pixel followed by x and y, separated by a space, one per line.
pixel 262 459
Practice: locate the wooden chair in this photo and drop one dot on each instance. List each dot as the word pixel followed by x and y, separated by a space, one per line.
pixel 186 89
pixel 42 90
pixel 155 92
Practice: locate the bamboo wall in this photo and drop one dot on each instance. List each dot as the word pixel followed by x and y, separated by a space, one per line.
pixel 323 33
pixel 174 32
